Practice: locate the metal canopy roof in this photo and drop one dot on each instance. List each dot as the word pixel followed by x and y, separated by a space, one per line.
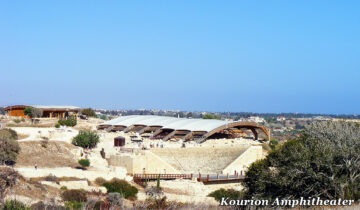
pixel 167 122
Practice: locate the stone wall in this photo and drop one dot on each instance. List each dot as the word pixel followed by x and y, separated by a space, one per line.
pixel 244 160
pixel 144 161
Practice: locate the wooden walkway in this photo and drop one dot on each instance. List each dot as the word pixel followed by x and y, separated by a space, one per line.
pixel 206 179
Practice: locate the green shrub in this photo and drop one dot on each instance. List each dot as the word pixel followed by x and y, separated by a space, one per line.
pixel 14 205
pixel 51 178
pixel 70 121
pixel 88 112
pixel 57 125
pixel 222 193
pixel 86 139
pixel 17 121
pixel 273 143
pixel 9 149
pixel 63 188
pixel 84 162
pixel 73 205
pixel 122 187
pixel 74 196
pixel 8 134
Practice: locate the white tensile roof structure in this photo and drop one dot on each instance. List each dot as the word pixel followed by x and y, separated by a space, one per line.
pixel 168 122
pixel 207 126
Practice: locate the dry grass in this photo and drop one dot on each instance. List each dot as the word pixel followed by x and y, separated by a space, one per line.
pixel 22 136
pixel 55 154
pixel 59 179
pixel 34 190
pixel 47 125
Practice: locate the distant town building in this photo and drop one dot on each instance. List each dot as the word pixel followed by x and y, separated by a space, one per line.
pixel 47 111
pixel 281 118
pixel 256 119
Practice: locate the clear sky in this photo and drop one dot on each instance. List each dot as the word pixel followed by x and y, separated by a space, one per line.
pixel 251 56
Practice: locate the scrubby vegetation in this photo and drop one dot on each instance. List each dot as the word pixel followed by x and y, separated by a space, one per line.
pixel 74 205
pixel 41 206
pixel 9 150
pixel 122 187
pixel 273 143
pixel 8 177
pixel 70 121
pixel 14 205
pixel 84 162
pixel 51 178
pixel 8 134
pixel 324 161
pixel 115 199
pixel 74 196
pixel 88 112
pixel 223 193
pixel 100 181
pixel 86 139
pixel 57 125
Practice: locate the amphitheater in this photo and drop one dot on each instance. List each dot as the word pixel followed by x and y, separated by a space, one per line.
pixel 204 160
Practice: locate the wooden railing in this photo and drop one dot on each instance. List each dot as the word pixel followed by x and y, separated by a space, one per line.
pixel 142 178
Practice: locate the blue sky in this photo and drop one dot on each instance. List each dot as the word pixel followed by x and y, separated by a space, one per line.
pixel 256 56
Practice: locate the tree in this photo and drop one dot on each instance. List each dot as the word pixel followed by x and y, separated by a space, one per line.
pixel 86 139
pixel 88 112
pixel 37 112
pixel 28 111
pixel 9 149
pixel 323 162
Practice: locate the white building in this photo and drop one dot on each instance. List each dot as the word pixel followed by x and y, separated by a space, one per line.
pixel 256 119
pixel 281 118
